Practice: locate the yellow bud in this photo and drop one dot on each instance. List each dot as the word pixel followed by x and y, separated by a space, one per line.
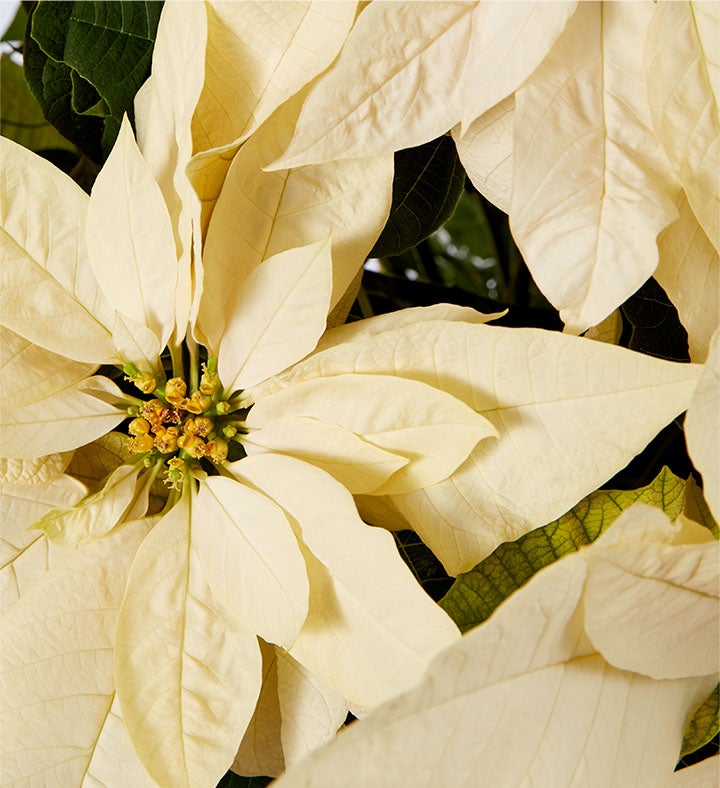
pixel 175 390
pixel 222 408
pixel 191 406
pixel 166 440
pixel 209 382
pixel 144 381
pixel 229 431
pixel 193 445
pixel 143 442
pixel 139 427
pixel 217 450
pixel 203 426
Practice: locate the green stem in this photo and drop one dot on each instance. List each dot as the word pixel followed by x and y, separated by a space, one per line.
pixel 194 366
pixel 176 356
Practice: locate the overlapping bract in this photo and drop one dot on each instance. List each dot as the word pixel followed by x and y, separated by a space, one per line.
pixel 569 682
pixel 586 122
pixel 430 417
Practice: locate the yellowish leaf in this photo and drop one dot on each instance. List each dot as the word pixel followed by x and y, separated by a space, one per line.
pixel 574 191
pixel 250 556
pixel 689 272
pixel 486 152
pixel 564 407
pixel 702 427
pixel 357 464
pixel 39 470
pixel 682 60
pixel 24 554
pixel 277 317
pixel 661 618
pixel 431 429
pixel 370 630
pixel 132 249
pixel 259 54
pixel 388 88
pixel 47 293
pixel 187 677
pixel 56 664
pixel 95 515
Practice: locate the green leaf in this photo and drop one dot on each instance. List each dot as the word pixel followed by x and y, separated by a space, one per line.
pixel 428 570
pixel 427 185
pixel 51 84
pixel 232 780
pixel 696 507
pixel 104 51
pixel 21 118
pixel 704 725
pixel 653 325
pixel 16 30
pixel 476 594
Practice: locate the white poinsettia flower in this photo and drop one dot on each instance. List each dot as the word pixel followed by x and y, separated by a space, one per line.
pixel 240 550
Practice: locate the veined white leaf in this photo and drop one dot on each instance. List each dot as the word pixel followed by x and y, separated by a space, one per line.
pixel 486 152
pixel 64 419
pixel 38 470
pixel 187 676
pixel 296 713
pixel 163 112
pixel 259 54
pixel 131 248
pixel 389 89
pixel 22 557
pixel 47 292
pixel 575 190
pixel 702 427
pixel 357 464
pixel 56 662
pixel 278 316
pixel 683 86
pixel 689 272
pixel 288 209
pixel 433 430
pixel 251 558
pixel 29 373
pixel 94 516
pixel 564 407
pixel 370 630
pixel 625 628
pixel 522 698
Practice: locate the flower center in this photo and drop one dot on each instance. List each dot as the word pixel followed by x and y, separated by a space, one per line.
pixel 179 430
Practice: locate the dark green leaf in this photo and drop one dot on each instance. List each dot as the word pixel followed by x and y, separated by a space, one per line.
pixel 21 118
pixel 103 49
pixel 427 569
pixel 51 84
pixel 652 325
pixel 475 594
pixel 232 780
pixel 427 185
pixel 704 725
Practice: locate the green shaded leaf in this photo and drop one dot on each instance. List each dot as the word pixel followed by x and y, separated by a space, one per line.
pixel 696 507
pixel 428 570
pixel 476 594
pixel 16 30
pixel 21 118
pixel 51 84
pixel 652 324
pixel 427 185
pixel 103 50
pixel 704 725
pixel 232 780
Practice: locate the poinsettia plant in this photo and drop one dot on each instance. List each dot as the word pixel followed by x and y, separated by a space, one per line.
pixel 225 498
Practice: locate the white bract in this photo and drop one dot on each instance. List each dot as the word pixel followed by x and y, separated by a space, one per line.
pixel 586 122
pixel 248 605
pixel 584 676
